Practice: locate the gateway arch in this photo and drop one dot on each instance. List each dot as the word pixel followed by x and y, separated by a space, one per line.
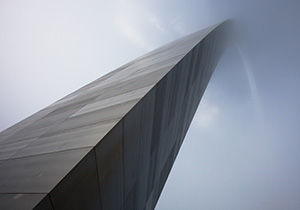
pixel 111 144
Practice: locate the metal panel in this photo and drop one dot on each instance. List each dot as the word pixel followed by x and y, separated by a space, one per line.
pixel 112 143
pixel 109 153
pixel 19 201
pixel 80 188
pixel 37 174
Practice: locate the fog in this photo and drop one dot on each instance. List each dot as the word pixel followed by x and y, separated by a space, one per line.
pixel 242 150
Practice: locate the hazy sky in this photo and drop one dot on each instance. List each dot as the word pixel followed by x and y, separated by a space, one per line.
pixel 243 148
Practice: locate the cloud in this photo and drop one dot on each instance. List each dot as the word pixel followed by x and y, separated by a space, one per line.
pixel 138 24
pixel 179 25
pixel 128 28
pixel 207 114
pixel 154 21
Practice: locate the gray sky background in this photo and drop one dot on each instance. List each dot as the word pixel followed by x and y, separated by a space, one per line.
pixel 243 148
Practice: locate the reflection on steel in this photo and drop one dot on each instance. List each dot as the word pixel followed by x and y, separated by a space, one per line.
pixel 112 143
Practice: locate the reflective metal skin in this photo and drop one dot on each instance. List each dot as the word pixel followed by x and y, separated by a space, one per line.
pixel 112 143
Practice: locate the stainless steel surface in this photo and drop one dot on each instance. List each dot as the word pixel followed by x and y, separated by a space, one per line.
pixel 110 144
